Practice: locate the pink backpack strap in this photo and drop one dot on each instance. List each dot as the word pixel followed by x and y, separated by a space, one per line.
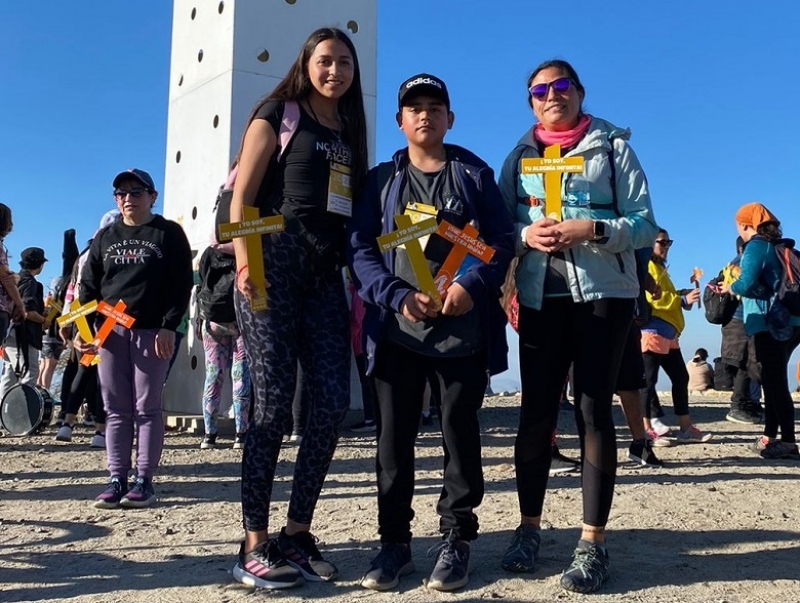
pixel 291 117
pixel 231 178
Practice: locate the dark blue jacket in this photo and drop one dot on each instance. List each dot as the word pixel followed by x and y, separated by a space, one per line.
pixel 372 271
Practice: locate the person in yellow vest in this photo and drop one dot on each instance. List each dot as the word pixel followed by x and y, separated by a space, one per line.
pixel 660 348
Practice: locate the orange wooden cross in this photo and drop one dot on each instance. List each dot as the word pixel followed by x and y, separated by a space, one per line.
pixel 464 242
pixel 115 315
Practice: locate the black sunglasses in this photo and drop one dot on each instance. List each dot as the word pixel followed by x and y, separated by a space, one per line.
pixel 665 242
pixel 133 192
pixel 539 91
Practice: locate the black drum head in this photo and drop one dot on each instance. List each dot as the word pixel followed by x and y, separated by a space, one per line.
pixel 21 410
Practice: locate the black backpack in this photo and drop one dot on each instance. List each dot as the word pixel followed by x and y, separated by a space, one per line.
pixel 217 274
pixel 719 307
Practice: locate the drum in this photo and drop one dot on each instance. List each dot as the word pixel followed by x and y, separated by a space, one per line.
pixel 25 410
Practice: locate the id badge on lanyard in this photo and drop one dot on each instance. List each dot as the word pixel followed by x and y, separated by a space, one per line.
pixel 340 190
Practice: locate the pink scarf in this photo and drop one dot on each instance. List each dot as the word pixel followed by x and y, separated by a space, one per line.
pixel 566 139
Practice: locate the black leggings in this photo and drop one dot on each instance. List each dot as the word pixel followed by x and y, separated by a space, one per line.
pixel 592 336
pixel 778 405
pixel 83 386
pixel 675 368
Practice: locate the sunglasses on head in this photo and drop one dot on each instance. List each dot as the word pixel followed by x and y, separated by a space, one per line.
pixel 665 242
pixel 539 91
pixel 133 192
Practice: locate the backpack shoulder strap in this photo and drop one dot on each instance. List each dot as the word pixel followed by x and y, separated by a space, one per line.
pixel 289 123
pixel 385 173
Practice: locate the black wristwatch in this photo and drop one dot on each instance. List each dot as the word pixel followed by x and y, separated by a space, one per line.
pixel 599 230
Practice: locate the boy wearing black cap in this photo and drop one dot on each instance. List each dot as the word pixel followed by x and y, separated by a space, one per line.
pixel 409 337
pixel 21 347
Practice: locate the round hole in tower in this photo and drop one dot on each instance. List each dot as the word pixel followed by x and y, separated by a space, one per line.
pixel 221 7
pixel 352 25
pixel 200 56
pixel 263 55
pixel 178 157
pixel 216 120
pixel 194 362
pixel 194 13
pixel 290 1
pixel 194 213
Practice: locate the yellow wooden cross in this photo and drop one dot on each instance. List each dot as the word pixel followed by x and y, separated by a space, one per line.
pixel 464 242
pixel 55 308
pixel 408 234
pixel 251 228
pixel 78 314
pixel 552 165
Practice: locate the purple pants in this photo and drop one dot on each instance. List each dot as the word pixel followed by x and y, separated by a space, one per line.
pixel 132 381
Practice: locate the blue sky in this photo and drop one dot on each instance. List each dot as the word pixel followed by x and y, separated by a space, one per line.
pixel 83 94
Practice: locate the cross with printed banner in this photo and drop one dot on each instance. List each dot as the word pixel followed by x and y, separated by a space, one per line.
pixel 77 315
pixel 464 242
pixel 553 166
pixel 251 228
pixel 409 234
pixel 115 315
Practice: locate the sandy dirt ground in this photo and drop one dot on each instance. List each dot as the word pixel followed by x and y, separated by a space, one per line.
pixel 718 524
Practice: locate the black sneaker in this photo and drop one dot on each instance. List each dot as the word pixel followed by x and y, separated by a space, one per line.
pixel 109 498
pixel 588 570
pixel 521 555
pixel 393 562
pixel 560 464
pixel 140 495
pixel 209 442
pixel 744 416
pixel 780 450
pixel 302 554
pixel 265 567
pixel 451 570
pixel 238 441
pixel 641 453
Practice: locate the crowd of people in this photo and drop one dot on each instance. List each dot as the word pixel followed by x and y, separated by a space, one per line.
pixel 596 265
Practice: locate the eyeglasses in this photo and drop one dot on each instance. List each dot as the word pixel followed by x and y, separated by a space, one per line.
pixel 665 242
pixel 133 192
pixel 539 91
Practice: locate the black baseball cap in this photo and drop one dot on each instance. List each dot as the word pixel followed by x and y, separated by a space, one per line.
pixel 422 84
pixel 136 174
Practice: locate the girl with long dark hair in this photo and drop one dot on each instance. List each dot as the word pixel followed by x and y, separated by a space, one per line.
pixel 312 185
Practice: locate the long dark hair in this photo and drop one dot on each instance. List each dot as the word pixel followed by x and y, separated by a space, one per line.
pixel 296 86
pixel 770 231
pixel 5 220
pixel 564 68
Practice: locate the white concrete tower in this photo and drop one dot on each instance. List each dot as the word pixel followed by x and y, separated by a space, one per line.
pixel 226 54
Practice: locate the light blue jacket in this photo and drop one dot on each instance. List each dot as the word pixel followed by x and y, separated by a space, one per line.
pixel 595 270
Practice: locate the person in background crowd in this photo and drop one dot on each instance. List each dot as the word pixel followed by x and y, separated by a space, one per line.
pixel 661 348
pixel 24 341
pixel 701 374
pixel 761 273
